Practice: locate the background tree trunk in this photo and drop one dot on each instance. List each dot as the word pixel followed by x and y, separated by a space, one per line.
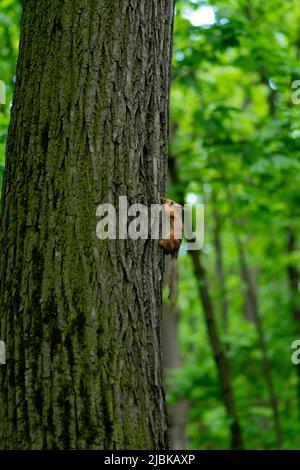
pixel 219 265
pixel 254 314
pixel 219 352
pixel 81 318
pixel 253 306
pixel 220 357
pixel 178 413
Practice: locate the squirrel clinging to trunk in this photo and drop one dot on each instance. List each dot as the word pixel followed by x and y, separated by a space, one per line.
pixel 171 244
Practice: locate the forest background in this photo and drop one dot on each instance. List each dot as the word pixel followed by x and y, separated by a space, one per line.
pixel 234 146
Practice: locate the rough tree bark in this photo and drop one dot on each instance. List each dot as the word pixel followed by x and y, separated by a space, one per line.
pixel 81 317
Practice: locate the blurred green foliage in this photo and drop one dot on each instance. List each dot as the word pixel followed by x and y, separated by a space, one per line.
pixel 9 43
pixel 234 130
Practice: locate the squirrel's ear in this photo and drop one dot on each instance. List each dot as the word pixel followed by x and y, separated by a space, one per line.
pixel 163 200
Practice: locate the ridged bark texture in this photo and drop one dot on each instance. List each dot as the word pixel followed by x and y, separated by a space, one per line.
pixel 81 318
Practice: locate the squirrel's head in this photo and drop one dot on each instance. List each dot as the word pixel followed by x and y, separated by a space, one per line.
pixel 171 204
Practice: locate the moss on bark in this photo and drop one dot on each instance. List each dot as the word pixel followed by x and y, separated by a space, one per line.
pixel 80 317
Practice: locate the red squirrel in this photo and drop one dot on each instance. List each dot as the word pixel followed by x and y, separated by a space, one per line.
pixel 171 245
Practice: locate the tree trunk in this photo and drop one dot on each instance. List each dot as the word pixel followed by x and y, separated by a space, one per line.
pixel 178 412
pixel 220 274
pixel 81 318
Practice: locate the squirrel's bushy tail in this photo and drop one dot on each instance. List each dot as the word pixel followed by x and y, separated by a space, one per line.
pixel 171 277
